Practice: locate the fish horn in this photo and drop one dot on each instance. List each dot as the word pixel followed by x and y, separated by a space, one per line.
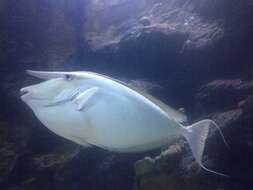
pixel 46 74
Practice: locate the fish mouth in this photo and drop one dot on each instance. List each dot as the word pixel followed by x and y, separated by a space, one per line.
pixel 24 92
pixel 26 95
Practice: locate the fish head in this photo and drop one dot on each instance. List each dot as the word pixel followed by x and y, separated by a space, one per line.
pixel 53 102
pixel 58 86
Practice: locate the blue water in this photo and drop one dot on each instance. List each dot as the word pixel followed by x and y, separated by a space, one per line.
pixel 194 56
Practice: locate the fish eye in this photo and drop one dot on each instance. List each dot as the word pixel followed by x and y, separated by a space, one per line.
pixel 68 77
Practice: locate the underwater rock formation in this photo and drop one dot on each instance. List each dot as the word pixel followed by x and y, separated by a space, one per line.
pixel 197 55
pixel 236 90
pixel 175 168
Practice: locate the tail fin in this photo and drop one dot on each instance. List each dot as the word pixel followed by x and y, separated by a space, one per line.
pixel 196 135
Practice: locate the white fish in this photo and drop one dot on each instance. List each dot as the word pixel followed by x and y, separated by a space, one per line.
pixel 92 109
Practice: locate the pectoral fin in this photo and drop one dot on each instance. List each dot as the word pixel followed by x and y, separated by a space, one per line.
pixel 83 98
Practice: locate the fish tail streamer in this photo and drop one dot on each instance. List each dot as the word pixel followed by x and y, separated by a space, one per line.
pixel 196 135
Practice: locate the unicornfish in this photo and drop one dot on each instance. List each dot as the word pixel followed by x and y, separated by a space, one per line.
pixel 95 110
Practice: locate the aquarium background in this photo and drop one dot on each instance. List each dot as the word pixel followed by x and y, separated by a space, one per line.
pixel 192 54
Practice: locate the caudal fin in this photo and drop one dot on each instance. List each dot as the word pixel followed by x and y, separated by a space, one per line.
pixel 196 136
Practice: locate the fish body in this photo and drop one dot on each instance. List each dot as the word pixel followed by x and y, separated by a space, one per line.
pixel 92 109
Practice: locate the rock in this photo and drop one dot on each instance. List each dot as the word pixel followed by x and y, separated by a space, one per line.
pixel 247 105
pixel 176 48
pixel 237 129
pixel 28 184
pixel 228 118
pixel 8 157
pixel 176 169
pixel 228 103
pixel 43 162
pixel 161 172
pixel 145 166
pixel 96 169
pixel 222 94
pixel 182 172
pixel 173 169
pixel 165 161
